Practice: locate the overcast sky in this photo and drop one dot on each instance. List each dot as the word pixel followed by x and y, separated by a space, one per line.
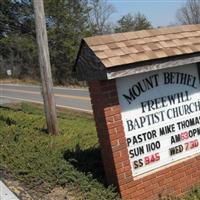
pixel 159 12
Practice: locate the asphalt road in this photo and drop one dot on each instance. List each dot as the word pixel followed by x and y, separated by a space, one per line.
pixel 71 98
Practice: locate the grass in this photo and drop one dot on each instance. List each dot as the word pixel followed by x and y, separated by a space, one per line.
pixel 41 161
pixel 18 81
pixel 194 194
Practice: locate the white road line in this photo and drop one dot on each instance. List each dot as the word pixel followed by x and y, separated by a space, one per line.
pixel 57 105
pixel 39 93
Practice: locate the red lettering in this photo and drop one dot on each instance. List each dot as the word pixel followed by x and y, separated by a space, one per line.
pixel 152 158
pixel 191 145
pixel 184 135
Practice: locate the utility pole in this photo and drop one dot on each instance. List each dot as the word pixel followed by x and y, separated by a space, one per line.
pixel 45 67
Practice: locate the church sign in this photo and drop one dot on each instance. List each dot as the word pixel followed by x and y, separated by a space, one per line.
pixel 161 116
pixel 145 95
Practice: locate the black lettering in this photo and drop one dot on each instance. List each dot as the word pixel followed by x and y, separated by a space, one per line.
pixel 128 141
pixel 129 125
pixel 175 150
pixel 175 139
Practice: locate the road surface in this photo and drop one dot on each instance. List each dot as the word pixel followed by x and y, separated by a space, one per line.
pixel 71 98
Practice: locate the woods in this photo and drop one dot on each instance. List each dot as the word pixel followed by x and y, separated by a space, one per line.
pixel 67 22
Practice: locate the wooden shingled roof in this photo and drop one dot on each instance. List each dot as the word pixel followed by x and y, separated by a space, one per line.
pixel 108 53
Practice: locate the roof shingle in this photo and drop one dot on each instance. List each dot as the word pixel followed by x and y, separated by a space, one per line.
pixel 126 48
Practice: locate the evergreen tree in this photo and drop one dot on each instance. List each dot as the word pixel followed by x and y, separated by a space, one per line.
pixel 133 23
pixel 67 23
pixel 18 49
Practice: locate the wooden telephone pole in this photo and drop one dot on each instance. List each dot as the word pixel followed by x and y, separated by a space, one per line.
pixel 45 67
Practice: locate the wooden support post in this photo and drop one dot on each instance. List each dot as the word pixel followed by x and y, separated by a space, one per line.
pixel 45 67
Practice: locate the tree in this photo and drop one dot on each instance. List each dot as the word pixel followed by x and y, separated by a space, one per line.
pixel 189 13
pixel 19 53
pixel 100 12
pixel 133 23
pixel 68 21
pixel 18 49
pixel 16 17
pixel 67 25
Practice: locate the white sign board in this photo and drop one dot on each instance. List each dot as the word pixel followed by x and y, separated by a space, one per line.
pixel 161 116
pixel 9 72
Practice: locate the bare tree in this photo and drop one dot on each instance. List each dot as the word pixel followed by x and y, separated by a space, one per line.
pixel 99 16
pixel 189 13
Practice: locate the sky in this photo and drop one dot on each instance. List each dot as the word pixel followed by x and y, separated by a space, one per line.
pixel 158 12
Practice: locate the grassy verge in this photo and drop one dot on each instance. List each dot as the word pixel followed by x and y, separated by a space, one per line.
pixel 18 81
pixel 41 161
